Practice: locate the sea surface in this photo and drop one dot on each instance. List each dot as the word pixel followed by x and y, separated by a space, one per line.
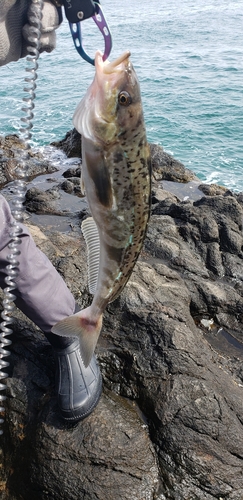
pixel 189 59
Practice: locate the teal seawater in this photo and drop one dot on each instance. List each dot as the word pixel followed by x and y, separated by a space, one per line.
pixel 189 59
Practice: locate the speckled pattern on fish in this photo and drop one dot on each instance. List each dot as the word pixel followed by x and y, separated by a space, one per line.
pixel 116 177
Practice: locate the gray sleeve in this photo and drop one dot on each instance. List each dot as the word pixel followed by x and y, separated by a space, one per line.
pixel 41 292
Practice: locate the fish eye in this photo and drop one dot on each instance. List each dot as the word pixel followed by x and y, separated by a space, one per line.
pixel 124 98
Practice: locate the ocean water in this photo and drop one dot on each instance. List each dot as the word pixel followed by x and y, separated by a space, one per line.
pixel 189 59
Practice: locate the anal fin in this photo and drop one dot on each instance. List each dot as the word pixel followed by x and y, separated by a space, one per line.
pixel 92 239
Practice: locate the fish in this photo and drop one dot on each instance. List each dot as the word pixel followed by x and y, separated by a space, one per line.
pixel 116 179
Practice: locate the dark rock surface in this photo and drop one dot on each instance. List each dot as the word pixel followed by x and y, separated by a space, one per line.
pixel 166 167
pixel 70 144
pixel 169 425
pixel 42 202
pixel 214 189
pixel 109 456
pixel 11 153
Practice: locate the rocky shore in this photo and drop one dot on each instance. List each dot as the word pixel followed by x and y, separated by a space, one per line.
pixel 169 425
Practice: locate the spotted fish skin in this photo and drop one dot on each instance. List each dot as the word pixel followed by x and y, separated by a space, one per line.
pixel 116 176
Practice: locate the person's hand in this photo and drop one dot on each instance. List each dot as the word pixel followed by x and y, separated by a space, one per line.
pixel 15 28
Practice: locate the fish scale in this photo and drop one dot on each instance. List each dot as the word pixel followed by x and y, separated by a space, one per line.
pixel 116 176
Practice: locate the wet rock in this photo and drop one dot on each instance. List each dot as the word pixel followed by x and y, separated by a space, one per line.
pixel 212 226
pixel 51 459
pixel 67 186
pixel 72 185
pixel 70 144
pixel 226 205
pixel 159 195
pixel 214 189
pixel 187 191
pixel 72 172
pixel 43 202
pixel 169 425
pixel 239 198
pixel 166 167
pixel 12 152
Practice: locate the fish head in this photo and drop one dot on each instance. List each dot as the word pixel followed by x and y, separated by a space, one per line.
pixel 112 103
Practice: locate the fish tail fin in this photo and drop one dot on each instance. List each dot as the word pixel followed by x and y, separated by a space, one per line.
pixel 85 327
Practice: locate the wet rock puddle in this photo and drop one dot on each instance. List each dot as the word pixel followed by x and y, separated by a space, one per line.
pixel 183 191
pixel 68 204
pixel 223 341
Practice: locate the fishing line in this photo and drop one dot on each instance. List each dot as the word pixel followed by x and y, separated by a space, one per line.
pixel 12 269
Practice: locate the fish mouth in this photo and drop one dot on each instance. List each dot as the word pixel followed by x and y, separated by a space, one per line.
pixel 111 67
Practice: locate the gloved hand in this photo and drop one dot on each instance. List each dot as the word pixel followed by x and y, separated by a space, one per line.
pixel 14 28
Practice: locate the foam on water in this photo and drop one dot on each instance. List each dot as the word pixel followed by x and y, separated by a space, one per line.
pixel 188 58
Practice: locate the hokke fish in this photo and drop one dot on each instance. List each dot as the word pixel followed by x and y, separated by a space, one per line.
pixel 116 178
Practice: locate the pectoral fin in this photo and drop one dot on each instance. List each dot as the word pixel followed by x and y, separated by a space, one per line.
pixel 98 171
pixel 82 186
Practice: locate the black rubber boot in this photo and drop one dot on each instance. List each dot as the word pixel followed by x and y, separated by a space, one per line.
pixel 78 388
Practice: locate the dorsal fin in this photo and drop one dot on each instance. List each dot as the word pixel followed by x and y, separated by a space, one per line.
pixel 91 236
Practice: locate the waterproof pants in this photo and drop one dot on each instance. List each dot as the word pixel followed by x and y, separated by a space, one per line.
pixel 40 291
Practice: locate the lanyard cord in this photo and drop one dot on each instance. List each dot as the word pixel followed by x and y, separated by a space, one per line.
pixel 15 231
